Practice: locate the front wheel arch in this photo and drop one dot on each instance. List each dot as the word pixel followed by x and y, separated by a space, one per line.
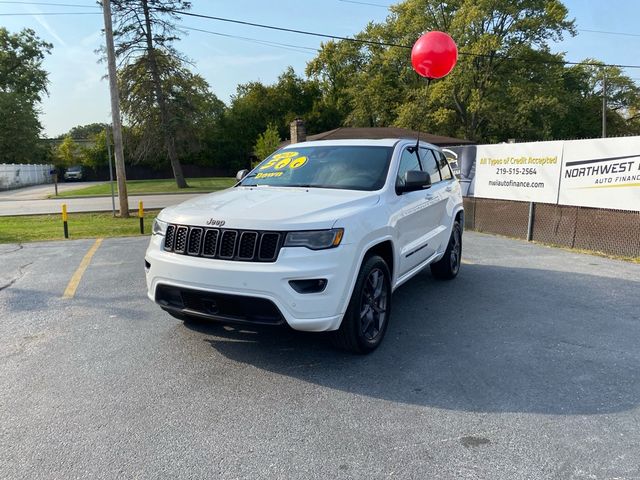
pixel 353 332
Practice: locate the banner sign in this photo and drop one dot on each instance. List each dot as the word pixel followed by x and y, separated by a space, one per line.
pixel 527 172
pixel 463 164
pixel 601 173
pixel 598 173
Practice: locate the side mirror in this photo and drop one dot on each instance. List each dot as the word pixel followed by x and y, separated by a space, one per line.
pixel 414 180
pixel 241 174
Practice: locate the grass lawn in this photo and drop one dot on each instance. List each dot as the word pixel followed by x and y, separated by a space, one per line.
pixel 168 185
pixel 34 228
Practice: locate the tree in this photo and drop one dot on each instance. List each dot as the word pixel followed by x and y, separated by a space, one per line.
pixel 144 36
pixel 267 143
pixel 622 96
pixel 189 104
pixel 23 81
pixel 501 44
pixel 95 154
pixel 67 153
pixel 19 129
pixel 255 106
pixel 82 132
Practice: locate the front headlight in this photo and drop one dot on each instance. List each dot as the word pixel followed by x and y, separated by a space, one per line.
pixel 315 239
pixel 159 227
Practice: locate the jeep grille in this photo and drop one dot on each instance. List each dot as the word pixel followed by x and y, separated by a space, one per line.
pixel 223 244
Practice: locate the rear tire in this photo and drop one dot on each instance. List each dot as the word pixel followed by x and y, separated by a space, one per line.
pixel 449 265
pixel 367 317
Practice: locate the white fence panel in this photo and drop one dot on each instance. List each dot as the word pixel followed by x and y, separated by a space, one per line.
pixel 23 175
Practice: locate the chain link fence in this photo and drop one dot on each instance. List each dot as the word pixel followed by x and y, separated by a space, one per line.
pixel 614 232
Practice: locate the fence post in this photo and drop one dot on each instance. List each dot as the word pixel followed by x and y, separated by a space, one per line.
pixel 532 216
pixel 64 220
pixel 141 216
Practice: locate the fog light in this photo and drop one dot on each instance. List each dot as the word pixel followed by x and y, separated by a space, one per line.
pixel 315 285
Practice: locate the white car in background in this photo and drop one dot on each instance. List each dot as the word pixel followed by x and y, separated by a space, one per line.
pixel 317 236
pixel 74 173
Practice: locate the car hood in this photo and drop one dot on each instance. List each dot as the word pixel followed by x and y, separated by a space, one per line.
pixel 270 208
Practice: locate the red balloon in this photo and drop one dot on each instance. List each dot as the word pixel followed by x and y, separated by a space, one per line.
pixel 434 55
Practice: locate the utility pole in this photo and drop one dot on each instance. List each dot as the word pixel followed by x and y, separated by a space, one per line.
pixel 604 104
pixel 108 142
pixel 115 111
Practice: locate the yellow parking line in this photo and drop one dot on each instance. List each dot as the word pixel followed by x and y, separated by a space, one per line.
pixel 467 262
pixel 77 276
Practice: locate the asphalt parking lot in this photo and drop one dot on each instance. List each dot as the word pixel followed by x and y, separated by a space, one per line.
pixel 525 366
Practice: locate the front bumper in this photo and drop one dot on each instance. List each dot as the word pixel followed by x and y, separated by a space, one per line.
pixel 268 281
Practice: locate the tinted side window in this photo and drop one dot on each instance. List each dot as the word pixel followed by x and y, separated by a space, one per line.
pixel 429 164
pixel 408 161
pixel 445 170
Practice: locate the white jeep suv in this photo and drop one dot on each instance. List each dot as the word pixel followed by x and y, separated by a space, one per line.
pixel 317 236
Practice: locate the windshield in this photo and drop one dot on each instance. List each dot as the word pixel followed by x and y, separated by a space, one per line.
pixel 331 166
pixel 74 169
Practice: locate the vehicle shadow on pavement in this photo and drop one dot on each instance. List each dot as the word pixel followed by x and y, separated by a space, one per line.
pixel 494 340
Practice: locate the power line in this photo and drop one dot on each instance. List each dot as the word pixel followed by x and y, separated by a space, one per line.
pixel 625 34
pixel 365 3
pixel 47 4
pixel 610 33
pixel 283 29
pixel 339 37
pixel 387 44
pixel 285 46
pixel 46 13
pixel 357 2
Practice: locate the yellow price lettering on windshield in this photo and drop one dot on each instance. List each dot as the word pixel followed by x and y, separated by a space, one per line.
pixel 285 155
pixel 282 163
pixel 298 162
pixel 269 175
pixel 281 160
pixel 269 164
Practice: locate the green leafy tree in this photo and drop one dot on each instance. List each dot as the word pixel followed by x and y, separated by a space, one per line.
pixel 19 129
pixel 67 153
pixel 23 81
pixel 83 144
pixel 145 33
pixel 83 132
pixel 95 154
pixel 499 41
pixel 267 143
pixel 622 97
pixel 255 106
pixel 189 104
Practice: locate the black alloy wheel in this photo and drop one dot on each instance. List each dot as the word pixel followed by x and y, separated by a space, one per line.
pixel 449 265
pixel 373 305
pixel 455 256
pixel 367 317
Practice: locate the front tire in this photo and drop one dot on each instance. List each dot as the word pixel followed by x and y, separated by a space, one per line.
pixel 449 265
pixel 367 316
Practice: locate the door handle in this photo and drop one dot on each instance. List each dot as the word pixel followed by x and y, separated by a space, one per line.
pixel 449 188
pixel 429 196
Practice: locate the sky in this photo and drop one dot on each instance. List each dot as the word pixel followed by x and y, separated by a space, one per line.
pixel 79 93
